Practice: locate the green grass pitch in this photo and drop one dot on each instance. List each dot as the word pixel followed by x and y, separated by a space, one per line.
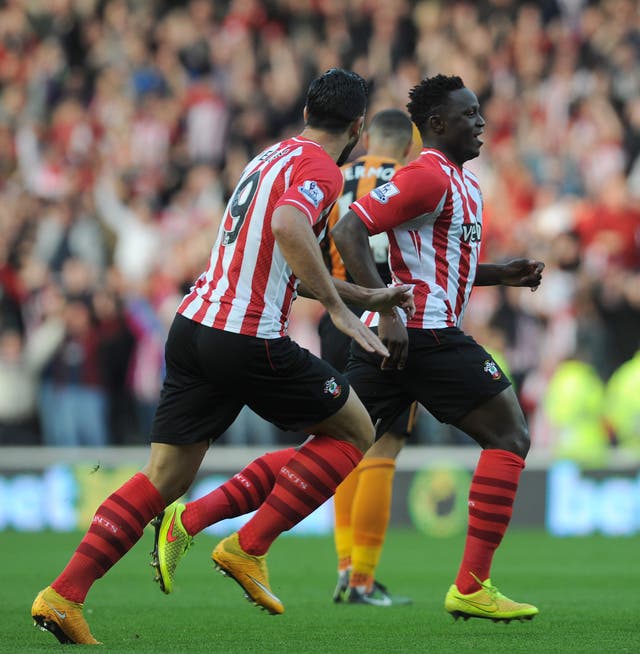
pixel 587 589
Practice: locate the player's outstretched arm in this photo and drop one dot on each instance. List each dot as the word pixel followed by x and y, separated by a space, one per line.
pixel 519 272
pixel 298 244
pixel 373 299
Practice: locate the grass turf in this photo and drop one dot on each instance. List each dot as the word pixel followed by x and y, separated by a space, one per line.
pixel 587 590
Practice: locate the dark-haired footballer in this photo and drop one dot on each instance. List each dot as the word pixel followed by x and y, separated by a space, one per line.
pixel 431 211
pixel 227 348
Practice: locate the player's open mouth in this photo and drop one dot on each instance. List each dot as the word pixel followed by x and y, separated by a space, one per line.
pixel 478 139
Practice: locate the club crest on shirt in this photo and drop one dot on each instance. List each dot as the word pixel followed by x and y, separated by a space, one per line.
pixel 312 192
pixel 491 368
pixel 332 387
pixel 382 193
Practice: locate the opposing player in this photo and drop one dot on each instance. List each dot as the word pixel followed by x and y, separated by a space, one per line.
pixel 227 348
pixel 432 212
pixel 362 502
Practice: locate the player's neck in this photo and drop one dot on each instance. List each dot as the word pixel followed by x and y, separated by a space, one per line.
pixel 434 145
pixel 386 153
pixel 332 144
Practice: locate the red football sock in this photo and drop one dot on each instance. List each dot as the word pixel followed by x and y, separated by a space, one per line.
pixel 493 490
pixel 116 527
pixel 243 493
pixel 309 479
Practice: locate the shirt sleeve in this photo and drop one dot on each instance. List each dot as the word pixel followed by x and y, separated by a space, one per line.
pixel 315 184
pixel 415 190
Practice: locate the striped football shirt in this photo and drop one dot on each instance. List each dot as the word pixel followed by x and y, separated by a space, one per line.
pixel 432 213
pixel 248 287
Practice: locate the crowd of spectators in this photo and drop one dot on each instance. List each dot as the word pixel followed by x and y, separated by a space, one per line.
pixel 124 125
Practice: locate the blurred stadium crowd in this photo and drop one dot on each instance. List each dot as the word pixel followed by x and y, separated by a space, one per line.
pixel 124 125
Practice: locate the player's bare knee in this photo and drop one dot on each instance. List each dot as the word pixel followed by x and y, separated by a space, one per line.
pixel 367 437
pixel 517 441
pixel 523 443
pixel 361 434
pixel 387 446
pixel 354 424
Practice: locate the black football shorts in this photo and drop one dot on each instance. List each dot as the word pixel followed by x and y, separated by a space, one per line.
pixel 446 371
pixel 335 347
pixel 211 374
pixel 334 344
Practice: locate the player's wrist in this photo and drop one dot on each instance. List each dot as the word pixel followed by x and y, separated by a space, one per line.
pixel 367 298
pixel 363 296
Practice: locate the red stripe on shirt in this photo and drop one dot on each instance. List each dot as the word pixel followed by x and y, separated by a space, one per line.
pixel 440 244
pixel 465 254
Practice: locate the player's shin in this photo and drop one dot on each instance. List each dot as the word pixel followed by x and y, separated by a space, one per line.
pixel 491 496
pixel 241 494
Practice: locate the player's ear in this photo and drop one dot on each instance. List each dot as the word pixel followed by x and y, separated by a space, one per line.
pixel 436 123
pixel 304 114
pixel 365 140
pixel 357 126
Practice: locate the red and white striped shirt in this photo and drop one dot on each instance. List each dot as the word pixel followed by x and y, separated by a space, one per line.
pixel 432 213
pixel 248 287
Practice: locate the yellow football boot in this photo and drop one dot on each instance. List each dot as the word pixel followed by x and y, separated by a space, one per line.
pixel 249 571
pixel 488 603
pixel 171 543
pixel 64 619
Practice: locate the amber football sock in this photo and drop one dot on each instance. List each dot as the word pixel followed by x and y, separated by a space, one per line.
pixel 370 517
pixel 493 490
pixel 342 505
